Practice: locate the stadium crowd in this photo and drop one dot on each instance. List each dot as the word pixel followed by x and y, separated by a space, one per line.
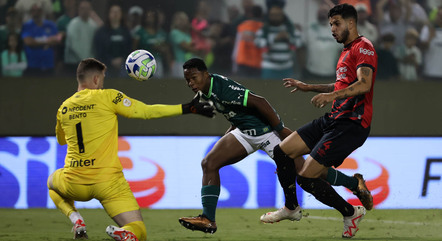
pixel 257 39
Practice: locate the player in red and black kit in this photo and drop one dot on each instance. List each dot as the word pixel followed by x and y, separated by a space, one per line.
pixel 331 138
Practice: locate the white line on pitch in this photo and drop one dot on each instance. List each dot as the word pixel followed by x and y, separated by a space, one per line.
pixel 377 221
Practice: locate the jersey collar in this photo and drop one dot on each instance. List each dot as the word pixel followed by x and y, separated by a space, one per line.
pixel 356 39
pixel 210 89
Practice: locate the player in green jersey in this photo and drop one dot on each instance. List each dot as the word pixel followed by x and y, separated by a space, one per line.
pixel 254 125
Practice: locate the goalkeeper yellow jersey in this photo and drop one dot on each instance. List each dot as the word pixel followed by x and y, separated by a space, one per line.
pixel 87 123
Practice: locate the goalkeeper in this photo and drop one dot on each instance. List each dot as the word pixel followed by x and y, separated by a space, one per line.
pixel 87 123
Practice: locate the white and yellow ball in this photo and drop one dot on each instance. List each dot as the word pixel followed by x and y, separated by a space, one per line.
pixel 141 65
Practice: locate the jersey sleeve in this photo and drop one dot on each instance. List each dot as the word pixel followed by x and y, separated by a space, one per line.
pixel 132 108
pixel 366 56
pixel 59 133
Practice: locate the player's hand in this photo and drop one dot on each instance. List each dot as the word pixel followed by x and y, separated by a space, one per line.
pixel 321 100
pixel 199 107
pixel 299 85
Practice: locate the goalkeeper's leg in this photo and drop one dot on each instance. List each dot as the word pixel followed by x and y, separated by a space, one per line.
pixel 67 207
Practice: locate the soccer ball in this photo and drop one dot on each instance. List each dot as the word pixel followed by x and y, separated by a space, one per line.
pixel 141 65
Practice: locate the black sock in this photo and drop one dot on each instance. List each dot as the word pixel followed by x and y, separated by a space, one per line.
pixel 286 170
pixel 324 193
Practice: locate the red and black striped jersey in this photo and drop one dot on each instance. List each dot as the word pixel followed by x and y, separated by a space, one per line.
pixel 359 53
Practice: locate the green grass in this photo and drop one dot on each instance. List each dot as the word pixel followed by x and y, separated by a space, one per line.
pixel 233 224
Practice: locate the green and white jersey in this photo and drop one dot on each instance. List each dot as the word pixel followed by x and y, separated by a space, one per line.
pixel 230 99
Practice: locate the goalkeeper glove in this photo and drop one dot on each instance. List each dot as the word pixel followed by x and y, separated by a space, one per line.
pixel 196 107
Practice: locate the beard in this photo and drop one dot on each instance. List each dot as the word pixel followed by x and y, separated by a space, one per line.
pixel 344 37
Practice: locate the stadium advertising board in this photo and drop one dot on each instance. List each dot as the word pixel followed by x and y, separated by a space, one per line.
pixel 165 173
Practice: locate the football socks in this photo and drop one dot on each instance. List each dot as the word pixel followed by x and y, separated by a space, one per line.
pixel 337 178
pixel 286 170
pixel 324 193
pixel 209 199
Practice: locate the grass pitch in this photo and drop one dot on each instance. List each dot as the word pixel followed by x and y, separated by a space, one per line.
pixel 233 224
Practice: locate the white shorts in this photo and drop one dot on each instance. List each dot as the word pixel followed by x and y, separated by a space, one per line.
pixel 264 142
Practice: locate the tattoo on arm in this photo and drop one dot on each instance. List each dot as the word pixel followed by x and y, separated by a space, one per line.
pixel 365 71
pixel 324 88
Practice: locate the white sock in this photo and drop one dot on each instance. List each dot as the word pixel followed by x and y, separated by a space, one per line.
pixel 75 216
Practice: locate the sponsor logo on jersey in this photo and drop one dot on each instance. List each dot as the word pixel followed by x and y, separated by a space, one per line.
pixel 233 87
pixel 77 108
pixel 340 73
pixel 82 163
pixel 366 51
pixel 118 98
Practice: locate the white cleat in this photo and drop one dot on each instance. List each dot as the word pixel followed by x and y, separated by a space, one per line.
pixel 351 223
pixel 120 234
pixel 282 214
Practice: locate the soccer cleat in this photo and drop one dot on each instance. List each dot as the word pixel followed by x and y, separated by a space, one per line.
pixel 200 223
pixel 363 193
pixel 351 223
pixel 79 230
pixel 282 214
pixel 120 234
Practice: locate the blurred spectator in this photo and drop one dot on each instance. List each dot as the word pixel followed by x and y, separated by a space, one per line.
pixel 322 49
pixel 366 3
pixel 200 27
pixel 387 62
pixel 366 28
pixel 24 8
pixel 279 3
pixel 13 24
pixel 134 19
pixel 70 7
pixel 431 39
pixel 181 42
pixel 278 38
pixel 5 5
pixel 232 13
pixel 154 39
pixel 247 13
pixel 79 37
pixel 39 37
pixel 409 56
pixel 13 58
pixel 394 21
pixel 415 13
pixel 247 57
pixel 113 42
pixel 221 38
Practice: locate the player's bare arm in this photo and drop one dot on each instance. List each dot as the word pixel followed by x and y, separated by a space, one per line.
pixel 299 85
pixel 266 110
pixel 362 86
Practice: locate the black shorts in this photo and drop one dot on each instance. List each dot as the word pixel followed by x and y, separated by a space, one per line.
pixel 331 141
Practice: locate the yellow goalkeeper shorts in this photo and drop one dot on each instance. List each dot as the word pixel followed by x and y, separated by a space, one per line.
pixel 115 195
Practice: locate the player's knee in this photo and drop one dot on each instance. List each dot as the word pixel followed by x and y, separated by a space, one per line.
pixel 208 165
pixel 49 182
pixel 281 159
